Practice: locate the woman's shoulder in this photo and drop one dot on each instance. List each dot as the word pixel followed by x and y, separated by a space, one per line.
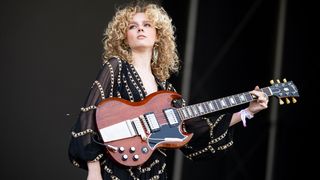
pixel 114 61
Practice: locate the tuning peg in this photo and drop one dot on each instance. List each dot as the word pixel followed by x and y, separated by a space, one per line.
pixel 287 101
pixel 281 102
pixel 271 81
pixel 284 80
pixel 278 81
pixel 294 100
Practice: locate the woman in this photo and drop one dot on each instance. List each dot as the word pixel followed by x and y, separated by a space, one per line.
pixel 140 54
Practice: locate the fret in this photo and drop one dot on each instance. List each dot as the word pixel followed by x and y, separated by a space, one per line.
pixel 223 102
pixel 242 98
pixel 200 108
pixel 194 110
pixel 218 104
pixel 227 100
pixel 237 99
pixel 185 113
pixel 189 112
pixel 180 114
pixel 232 101
pixel 210 104
pixel 248 97
pixel 215 105
pixel 206 108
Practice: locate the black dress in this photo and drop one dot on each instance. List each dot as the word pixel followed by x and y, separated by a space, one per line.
pixel 117 78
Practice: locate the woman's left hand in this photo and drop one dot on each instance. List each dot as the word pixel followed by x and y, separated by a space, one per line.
pixel 260 103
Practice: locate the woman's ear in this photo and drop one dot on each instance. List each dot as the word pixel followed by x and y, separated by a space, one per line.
pixel 125 44
pixel 157 36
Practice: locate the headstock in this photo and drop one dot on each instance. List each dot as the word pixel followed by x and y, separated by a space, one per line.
pixel 284 90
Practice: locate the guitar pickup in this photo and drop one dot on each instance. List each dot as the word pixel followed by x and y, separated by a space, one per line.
pixel 172 117
pixel 152 122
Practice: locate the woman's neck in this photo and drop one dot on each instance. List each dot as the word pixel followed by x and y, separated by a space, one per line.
pixel 142 60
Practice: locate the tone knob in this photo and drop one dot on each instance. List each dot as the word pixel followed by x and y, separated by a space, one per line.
pixel 132 149
pixel 136 157
pixel 125 157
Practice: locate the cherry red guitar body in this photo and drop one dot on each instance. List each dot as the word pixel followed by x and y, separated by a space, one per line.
pixel 118 121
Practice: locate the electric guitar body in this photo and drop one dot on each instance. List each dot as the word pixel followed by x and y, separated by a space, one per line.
pixel 132 138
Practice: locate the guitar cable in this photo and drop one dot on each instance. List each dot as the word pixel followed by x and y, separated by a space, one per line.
pixel 110 147
pixel 96 141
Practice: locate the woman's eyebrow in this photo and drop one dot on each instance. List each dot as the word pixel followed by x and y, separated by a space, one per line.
pixel 135 22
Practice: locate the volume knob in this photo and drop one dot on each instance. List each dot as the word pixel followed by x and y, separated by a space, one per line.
pixel 132 149
pixel 121 149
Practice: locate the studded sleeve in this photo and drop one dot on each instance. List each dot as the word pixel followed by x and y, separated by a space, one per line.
pixel 212 135
pixel 83 146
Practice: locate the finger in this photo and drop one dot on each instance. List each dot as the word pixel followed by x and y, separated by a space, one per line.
pixel 256 94
pixel 264 105
pixel 256 91
pixel 265 98
pixel 261 100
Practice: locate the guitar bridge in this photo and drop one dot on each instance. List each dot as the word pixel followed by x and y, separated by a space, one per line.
pixel 139 128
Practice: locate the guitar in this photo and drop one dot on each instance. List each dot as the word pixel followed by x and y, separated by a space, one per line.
pixel 131 131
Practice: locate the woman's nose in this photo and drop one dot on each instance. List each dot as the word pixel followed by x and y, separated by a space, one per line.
pixel 140 29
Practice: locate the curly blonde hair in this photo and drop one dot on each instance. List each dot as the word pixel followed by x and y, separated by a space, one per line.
pixel 115 36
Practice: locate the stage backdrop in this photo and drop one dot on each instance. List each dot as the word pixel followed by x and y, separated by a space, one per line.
pixel 50 52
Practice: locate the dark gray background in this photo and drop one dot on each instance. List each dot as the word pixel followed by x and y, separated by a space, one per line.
pixel 51 51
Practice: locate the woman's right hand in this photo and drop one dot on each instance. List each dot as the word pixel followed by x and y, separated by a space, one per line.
pixel 94 172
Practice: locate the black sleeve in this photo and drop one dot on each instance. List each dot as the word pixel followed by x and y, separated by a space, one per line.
pixel 212 136
pixel 83 146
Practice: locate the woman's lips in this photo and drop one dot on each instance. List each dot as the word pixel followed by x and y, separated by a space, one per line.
pixel 141 37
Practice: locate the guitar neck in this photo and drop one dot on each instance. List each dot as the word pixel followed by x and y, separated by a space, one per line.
pixel 207 107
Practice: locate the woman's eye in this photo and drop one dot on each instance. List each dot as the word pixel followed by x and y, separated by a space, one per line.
pixel 132 26
pixel 147 25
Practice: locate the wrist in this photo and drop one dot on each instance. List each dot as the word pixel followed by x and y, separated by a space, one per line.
pixel 93 166
pixel 251 113
pixel 244 115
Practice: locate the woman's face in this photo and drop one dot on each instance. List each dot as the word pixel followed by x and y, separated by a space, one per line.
pixel 141 32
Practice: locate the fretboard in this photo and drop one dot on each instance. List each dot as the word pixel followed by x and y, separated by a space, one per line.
pixel 207 107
